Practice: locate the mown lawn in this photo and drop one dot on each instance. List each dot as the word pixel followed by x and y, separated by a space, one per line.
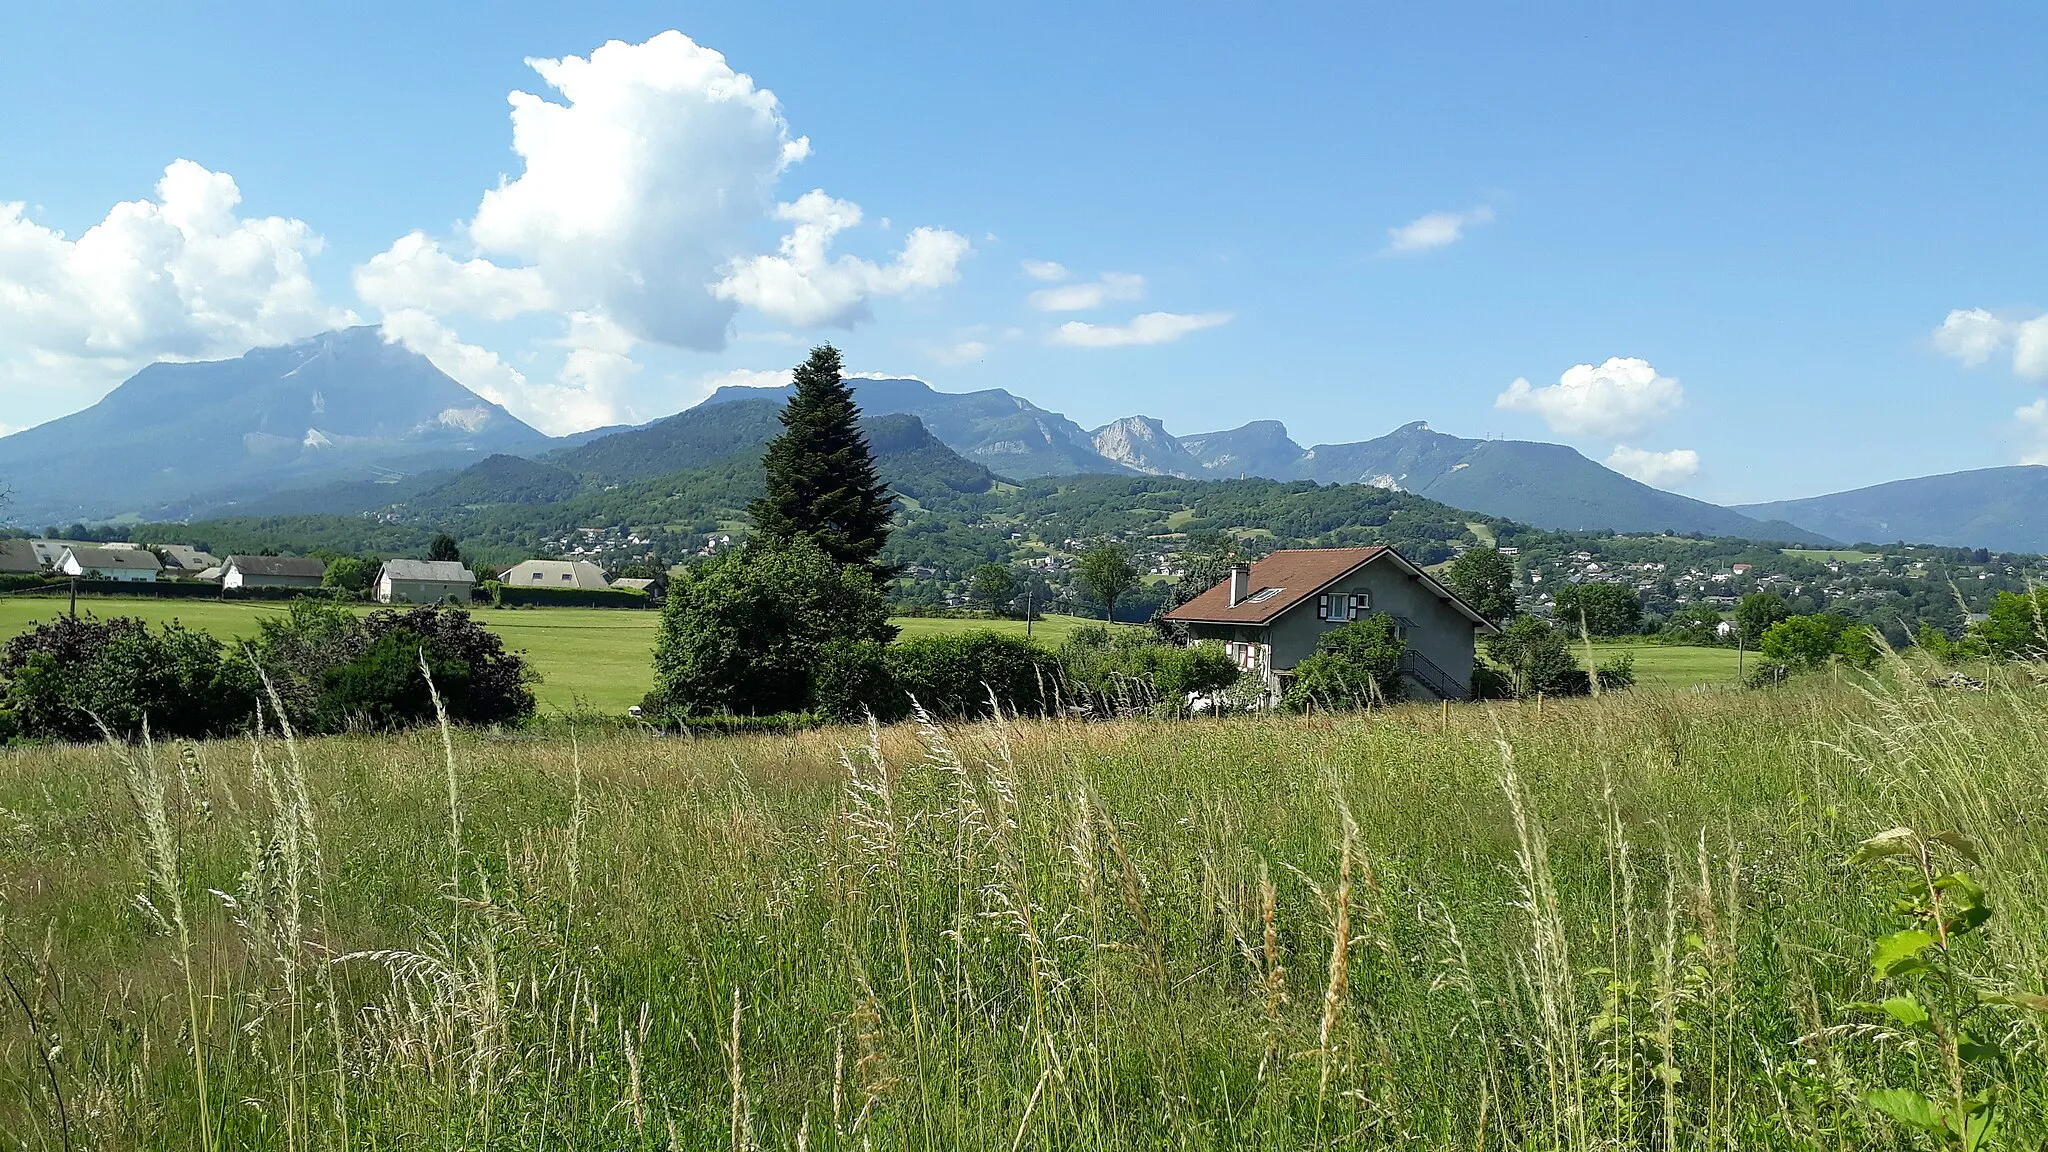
pixel 1675 665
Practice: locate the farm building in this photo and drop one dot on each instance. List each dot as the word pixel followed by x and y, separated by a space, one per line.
pixel 424 582
pixel 271 572
pixel 1269 615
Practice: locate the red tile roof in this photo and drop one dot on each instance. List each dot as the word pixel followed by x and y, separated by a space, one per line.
pixel 1299 574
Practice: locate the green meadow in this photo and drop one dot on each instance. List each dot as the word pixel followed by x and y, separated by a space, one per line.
pixel 590 659
pixel 1632 922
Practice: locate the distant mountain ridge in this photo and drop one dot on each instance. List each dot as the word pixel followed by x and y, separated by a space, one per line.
pixel 348 420
pixel 1547 485
pixel 177 437
pixel 2001 508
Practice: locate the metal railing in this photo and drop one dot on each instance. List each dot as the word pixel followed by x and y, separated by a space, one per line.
pixel 1427 673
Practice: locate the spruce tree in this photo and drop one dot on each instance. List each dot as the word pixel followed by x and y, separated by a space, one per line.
pixel 822 483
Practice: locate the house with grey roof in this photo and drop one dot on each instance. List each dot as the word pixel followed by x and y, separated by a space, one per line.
pixel 135 565
pixel 271 572
pixel 185 561
pixel 424 582
pixel 17 558
pixel 554 574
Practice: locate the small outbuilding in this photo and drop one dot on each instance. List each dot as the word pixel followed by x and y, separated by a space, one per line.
pixel 424 582
pixel 272 572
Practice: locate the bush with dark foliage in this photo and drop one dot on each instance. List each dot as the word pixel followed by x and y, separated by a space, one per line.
pixel 62 679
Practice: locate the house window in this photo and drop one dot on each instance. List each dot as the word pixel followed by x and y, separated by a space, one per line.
pixel 1263 595
pixel 537 576
pixel 567 576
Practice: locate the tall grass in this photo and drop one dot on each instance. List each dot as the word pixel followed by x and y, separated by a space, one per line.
pixel 1619 923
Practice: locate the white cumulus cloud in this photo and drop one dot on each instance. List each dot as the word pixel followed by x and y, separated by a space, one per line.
pixel 802 285
pixel 1436 230
pixel 1657 469
pixel 646 173
pixel 1146 328
pixel 964 352
pixel 1974 335
pixel 1045 270
pixel 1618 398
pixel 1093 294
pixel 2033 421
pixel 182 276
pixel 416 273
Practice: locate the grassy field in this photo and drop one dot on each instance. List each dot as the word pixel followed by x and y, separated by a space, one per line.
pixel 1616 923
pixel 1674 665
pixel 1845 555
pixel 595 659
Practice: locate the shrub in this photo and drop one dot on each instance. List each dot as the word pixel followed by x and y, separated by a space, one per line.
pixel 1807 643
pixel 1355 664
pixel 1536 658
pixel 743 633
pixel 852 680
pixel 333 669
pixel 952 676
pixel 61 679
pixel 1131 672
pixel 384 687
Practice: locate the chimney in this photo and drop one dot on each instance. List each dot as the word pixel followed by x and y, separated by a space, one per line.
pixel 1240 583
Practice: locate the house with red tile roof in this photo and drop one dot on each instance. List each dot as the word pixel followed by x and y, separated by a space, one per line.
pixel 1270 614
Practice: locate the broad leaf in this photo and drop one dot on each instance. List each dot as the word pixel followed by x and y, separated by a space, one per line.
pixel 1906 1010
pixel 1963 845
pixel 1907 1107
pixel 1899 952
pixel 1892 842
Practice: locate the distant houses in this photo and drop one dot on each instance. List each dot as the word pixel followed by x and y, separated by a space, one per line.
pixel 423 582
pixel 271 572
pixel 17 558
pixel 554 574
pixel 135 565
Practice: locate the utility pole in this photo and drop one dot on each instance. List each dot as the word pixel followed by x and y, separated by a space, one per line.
pixel 1030 595
pixel 74 597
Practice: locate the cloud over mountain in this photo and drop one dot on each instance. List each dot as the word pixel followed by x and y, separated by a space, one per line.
pixel 1657 469
pixel 1145 328
pixel 633 221
pixel 182 276
pixel 1609 401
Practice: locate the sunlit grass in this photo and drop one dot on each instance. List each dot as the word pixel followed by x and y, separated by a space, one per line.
pixel 1612 923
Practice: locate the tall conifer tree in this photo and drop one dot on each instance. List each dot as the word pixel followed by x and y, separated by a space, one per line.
pixel 822 483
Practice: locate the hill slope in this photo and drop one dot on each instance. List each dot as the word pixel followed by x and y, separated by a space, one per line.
pixel 343 404
pixel 2000 508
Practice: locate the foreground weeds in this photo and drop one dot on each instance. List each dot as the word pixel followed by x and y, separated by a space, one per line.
pixel 1631 922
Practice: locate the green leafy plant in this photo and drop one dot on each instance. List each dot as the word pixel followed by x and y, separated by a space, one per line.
pixel 1938 1004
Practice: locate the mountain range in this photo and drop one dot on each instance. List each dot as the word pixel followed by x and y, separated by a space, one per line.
pixel 345 421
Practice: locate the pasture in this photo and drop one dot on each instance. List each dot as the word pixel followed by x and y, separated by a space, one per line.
pixel 590 659
pixel 1623 923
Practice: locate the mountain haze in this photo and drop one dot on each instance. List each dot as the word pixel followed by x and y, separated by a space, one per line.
pixel 176 436
pixel 2000 508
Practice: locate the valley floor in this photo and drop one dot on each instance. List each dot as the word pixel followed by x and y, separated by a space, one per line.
pixel 601 659
pixel 1615 923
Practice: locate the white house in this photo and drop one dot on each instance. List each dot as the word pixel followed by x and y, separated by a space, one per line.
pixel 129 564
pixel 271 572
pixel 424 582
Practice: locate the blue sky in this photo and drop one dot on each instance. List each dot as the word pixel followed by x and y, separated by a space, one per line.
pixel 1805 244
